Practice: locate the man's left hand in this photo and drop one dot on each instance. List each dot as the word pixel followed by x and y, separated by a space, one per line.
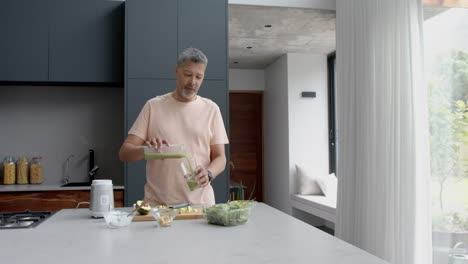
pixel 202 177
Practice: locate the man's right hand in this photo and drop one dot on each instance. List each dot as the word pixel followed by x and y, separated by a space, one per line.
pixel 156 143
pixel 133 150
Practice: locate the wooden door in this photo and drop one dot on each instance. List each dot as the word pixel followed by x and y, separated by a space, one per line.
pixel 246 144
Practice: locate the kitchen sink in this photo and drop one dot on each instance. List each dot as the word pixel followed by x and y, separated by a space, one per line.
pixel 71 184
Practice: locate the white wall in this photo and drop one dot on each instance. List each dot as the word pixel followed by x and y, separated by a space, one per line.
pixel 276 135
pixel 246 80
pixel 308 117
pixel 295 128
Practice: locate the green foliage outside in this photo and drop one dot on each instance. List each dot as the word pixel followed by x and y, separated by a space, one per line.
pixel 448 107
pixel 455 218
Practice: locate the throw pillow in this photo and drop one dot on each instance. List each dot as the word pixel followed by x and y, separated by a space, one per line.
pixel 329 185
pixel 306 182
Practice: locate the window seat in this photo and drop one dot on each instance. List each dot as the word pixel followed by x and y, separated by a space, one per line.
pixel 317 205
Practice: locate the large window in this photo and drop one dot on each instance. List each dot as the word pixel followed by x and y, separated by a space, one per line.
pixel 446 65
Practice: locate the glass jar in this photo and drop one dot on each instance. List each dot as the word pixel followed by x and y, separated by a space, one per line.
pixel 189 174
pixel 35 171
pixel 22 171
pixel 9 170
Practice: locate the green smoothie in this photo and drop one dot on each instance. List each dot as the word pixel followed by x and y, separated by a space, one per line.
pixel 191 181
pixel 152 156
pixel 193 184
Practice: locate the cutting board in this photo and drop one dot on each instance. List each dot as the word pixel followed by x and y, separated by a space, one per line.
pixel 193 215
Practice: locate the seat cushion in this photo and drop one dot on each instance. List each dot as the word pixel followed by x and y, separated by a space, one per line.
pixel 320 202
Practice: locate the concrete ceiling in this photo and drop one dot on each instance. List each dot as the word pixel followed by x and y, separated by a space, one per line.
pixel 293 30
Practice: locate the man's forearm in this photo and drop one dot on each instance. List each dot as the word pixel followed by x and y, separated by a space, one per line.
pixel 217 165
pixel 129 152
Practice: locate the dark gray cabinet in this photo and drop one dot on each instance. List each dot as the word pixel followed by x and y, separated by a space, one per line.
pixel 159 30
pixel 156 31
pixel 111 41
pixel 23 40
pixel 151 38
pixel 62 40
pixel 86 41
pixel 216 91
pixel 206 32
pixel 139 91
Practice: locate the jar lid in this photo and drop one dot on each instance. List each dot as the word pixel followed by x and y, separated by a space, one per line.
pixel 102 182
pixel 9 159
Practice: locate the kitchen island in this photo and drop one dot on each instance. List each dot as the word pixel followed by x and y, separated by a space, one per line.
pixel 270 236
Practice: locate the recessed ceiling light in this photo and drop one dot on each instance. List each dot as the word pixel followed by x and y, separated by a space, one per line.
pixel 268 26
pixel 248 47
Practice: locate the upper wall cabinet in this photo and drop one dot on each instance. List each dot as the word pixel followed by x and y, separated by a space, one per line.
pixel 62 40
pixel 86 41
pixel 207 32
pixel 158 30
pixel 111 40
pixel 151 38
pixel 23 42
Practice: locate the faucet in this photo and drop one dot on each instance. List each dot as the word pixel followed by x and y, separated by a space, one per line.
pixel 92 167
pixel 67 168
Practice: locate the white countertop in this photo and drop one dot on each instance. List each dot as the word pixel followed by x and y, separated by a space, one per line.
pixel 44 187
pixel 270 236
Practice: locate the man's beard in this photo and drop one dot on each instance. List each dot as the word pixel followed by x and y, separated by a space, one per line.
pixel 188 94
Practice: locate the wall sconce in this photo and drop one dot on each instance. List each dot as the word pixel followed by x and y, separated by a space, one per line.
pixel 308 94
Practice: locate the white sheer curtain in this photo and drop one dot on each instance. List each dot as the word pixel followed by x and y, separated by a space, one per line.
pixel 383 144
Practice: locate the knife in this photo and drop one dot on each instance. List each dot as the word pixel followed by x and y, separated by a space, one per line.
pixel 177 206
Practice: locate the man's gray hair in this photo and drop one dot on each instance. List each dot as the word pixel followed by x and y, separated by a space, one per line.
pixel 192 54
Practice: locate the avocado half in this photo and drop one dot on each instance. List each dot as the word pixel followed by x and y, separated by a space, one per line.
pixel 144 210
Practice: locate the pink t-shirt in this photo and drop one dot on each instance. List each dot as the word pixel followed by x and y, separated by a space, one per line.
pixel 197 124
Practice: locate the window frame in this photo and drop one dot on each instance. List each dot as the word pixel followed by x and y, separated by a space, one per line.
pixel 331 68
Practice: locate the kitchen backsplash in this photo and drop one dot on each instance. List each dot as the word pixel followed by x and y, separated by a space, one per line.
pixel 55 122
